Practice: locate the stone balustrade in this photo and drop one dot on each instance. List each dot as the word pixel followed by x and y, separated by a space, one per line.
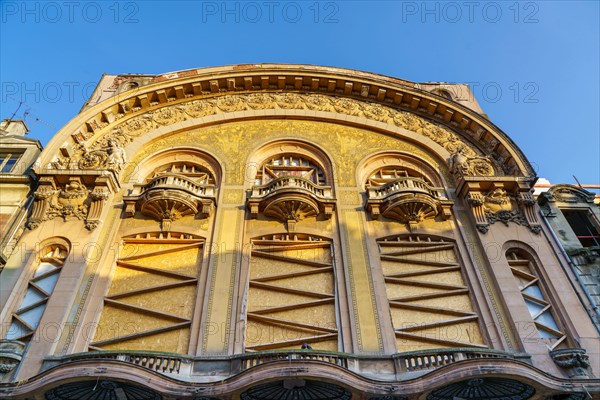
pixel 291 182
pixel 391 367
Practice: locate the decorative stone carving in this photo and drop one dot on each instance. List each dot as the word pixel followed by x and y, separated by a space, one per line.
pixel 112 157
pixel 575 361
pixel 11 352
pixel 169 197
pixel 499 206
pixel 96 154
pixel 463 165
pixel 409 200
pixel 73 200
pixel 567 194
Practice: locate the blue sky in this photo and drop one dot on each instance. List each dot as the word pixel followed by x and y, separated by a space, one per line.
pixel 533 66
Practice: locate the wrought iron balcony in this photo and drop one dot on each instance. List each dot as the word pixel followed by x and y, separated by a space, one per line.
pixel 291 198
pixel 408 200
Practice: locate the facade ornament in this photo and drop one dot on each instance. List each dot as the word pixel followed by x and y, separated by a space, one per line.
pixel 11 352
pixel 112 157
pixel 101 154
pixel 463 165
pixel 498 205
pixel 575 361
pixel 567 194
pixel 72 200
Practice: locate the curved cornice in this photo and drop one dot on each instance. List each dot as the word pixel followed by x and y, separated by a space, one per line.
pixel 336 82
pixel 559 192
pixel 108 369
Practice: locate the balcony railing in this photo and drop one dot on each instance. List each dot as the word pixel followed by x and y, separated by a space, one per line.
pixel 291 199
pixel 408 200
pixel 174 181
pixel 404 184
pixel 168 192
pixel 291 183
pixel 190 368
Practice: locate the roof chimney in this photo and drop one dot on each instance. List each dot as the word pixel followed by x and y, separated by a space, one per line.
pixel 14 127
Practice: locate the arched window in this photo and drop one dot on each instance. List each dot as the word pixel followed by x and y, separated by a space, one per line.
pixel 197 173
pixel 443 93
pixel 387 174
pixel 28 314
pixel 534 294
pixel 289 165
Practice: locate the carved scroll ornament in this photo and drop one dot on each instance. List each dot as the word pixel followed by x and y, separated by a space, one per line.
pixel 107 151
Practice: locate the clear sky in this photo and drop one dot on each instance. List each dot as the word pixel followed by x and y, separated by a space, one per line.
pixel 533 66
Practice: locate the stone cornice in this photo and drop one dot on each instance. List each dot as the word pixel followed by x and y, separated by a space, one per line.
pixel 214 82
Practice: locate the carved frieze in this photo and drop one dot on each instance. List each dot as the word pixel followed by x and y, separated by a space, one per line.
pixel 107 152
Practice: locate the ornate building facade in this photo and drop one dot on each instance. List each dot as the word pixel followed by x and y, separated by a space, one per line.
pixel 289 232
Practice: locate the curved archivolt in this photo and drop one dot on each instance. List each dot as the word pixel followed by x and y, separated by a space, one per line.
pixel 291 294
pixel 429 300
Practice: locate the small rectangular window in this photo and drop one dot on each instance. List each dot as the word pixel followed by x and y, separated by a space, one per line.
pixel 583 226
pixel 8 161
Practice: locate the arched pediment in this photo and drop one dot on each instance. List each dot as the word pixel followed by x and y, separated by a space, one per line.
pixel 98 137
pixel 569 194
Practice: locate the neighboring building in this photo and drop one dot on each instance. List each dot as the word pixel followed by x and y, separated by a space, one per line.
pixel 290 232
pixel 574 216
pixel 17 182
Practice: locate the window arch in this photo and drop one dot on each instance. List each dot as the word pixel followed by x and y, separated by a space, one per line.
pixel 190 162
pixel 525 270
pixel 290 164
pixel 444 93
pixel 292 181
pixel 403 188
pixel 27 316
pixel 194 171
pixel 173 184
